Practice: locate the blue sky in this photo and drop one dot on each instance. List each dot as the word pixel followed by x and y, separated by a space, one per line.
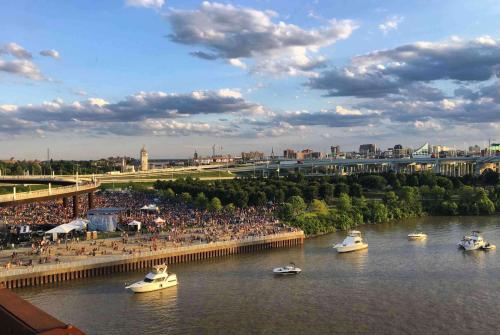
pixel 183 75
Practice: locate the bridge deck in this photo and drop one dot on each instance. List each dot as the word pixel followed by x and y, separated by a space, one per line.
pixel 75 188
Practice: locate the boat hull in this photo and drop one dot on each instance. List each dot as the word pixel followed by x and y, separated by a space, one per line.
pixel 350 248
pixel 417 237
pixel 142 287
pixel 470 247
pixel 290 272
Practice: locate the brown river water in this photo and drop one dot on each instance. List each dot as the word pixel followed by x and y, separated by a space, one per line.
pixel 394 287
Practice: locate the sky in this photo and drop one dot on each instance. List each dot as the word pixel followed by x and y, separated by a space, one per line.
pixel 93 79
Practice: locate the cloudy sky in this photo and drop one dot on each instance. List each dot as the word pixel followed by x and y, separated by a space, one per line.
pixel 91 79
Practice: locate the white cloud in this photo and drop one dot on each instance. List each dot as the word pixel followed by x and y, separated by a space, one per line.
pixel 391 24
pixel 145 3
pixel 50 53
pixel 345 111
pixel 235 34
pixel 15 50
pixel 16 60
pixel 237 63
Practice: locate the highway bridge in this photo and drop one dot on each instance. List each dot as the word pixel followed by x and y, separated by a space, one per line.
pixel 450 166
pixel 67 188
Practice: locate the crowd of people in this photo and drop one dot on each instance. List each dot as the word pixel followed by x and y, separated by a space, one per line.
pixel 181 224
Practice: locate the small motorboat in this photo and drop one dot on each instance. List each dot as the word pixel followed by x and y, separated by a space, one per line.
pixel 290 269
pixel 157 279
pixel 417 236
pixel 472 242
pixel 352 242
pixel 489 246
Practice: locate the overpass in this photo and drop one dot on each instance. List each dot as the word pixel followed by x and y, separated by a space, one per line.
pixel 449 166
pixel 68 188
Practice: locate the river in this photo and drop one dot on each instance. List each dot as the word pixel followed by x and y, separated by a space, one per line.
pixel 394 287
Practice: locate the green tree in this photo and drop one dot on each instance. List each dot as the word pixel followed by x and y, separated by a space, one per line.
pixel 326 191
pixel 341 188
pixel 215 205
pixel 344 203
pixel 374 182
pixel 355 190
pixel 169 193
pixel 379 212
pixel 201 201
pixel 489 177
pixel 186 197
pixel 298 205
pixel 319 207
pixel 230 208
pixel 286 212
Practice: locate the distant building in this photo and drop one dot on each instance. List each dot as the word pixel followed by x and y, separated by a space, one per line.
pixel 317 155
pixel 304 154
pixel 475 150
pixel 222 159
pixel 144 159
pixel 335 150
pixel 399 152
pixel 494 148
pixel 252 156
pixel 424 151
pixel 289 154
pixel 367 149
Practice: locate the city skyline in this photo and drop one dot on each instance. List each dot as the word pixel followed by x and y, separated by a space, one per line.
pixel 245 75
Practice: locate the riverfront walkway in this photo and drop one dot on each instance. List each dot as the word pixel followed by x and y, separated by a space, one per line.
pixel 106 264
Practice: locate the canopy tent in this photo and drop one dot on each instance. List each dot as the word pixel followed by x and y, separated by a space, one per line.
pixel 159 221
pixel 135 223
pixel 152 208
pixel 81 223
pixel 62 229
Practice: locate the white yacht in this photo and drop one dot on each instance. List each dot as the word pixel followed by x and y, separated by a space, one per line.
pixel 472 242
pixel 157 279
pixel 417 236
pixel 352 242
pixel 287 270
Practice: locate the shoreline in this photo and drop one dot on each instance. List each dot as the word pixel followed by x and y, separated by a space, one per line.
pixel 103 265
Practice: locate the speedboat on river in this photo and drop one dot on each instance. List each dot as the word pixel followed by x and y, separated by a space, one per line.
pixel 417 236
pixel 287 270
pixel 472 242
pixel 157 279
pixel 352 242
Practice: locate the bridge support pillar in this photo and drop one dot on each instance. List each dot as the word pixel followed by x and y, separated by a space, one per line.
pixel 91 200
pixel 76 209
pixel 65 202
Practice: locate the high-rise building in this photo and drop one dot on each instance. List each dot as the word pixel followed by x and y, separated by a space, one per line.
pixel 144 159
pixel 335 150
pixel 367 149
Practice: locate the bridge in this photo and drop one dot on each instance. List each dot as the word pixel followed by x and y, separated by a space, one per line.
pixel 449 166
pixel 67 188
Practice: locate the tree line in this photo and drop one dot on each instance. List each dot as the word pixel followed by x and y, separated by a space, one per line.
pixel 323 204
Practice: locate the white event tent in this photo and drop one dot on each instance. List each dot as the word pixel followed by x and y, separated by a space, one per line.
pixel 159 221
pixel 136 224
pixel 152 208
pixel 63 229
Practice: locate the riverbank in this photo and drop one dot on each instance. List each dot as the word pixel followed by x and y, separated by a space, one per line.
pixel 106 264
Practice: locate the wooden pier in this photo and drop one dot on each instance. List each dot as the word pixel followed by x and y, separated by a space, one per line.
pixel 104 265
